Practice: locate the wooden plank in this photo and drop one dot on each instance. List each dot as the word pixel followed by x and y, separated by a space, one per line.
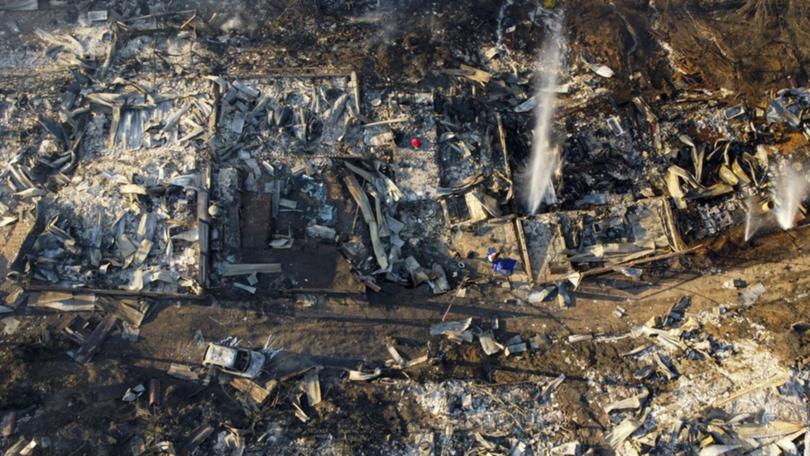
pixel 524 250
pixel 15 242
pixel 473 74
pixel 258 393
pixel 183 372
pixel 8 424
pixel 772 382
pixel 504 151
pixel 64 301
pixel 203 236
pixel 93 343
pixel 132 311
pixel 98 291
pixel 235 269
pixel 354 83
pixel 666 256
pixel 196 438
pixel 672 228
pixel 361 199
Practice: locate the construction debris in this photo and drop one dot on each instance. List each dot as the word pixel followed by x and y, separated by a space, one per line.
pixel 258 393
pixel 360 376
pixel 93 342
pixel 280 228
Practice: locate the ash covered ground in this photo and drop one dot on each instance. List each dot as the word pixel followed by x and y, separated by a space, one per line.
pixel 339 189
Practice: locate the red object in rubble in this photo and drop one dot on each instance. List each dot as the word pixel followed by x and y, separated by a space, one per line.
pixel 416 143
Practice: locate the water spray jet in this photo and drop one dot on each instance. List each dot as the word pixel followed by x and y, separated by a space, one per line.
pixel 545 155
pixel 790 188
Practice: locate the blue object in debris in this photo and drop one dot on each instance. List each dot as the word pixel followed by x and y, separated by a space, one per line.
pixel 505 266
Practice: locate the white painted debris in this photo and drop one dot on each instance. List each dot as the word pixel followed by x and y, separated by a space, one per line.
pixel 749 296
pixel 397 358
pixel 666 339
pixel 717 450
pixel 631 403
pixel 489 344
pixel 786 445
pixel 10 325
pixel 579 338
pixel 28 449
pixel 664 368
pixel 19 5
pixel 515 345
pixel 575 278
pixel 633 273
pixel 306 300
pixel 321 232
pixel 615 125
pixel 281 242
pixel 129 332
pixel 602 70
pixel 518 450
pixel 464 336
pixel 546 393
pixel 188 235
pixel 425 443
pixel 450 327
pixel 133 393
pixel 143 252
pixel 381 139
pixel 636 350
pixel 538 296
pixel 299 408
pixel 311 386
pixel 233 269
pixel 686 140
pixel 567 449
pixel 136 284
pixel 97 16
pixel 734 284
pixel 769 430
pixel 399 362
pixel 360 376
pixel 621 432
pixel 132 189
pixel 16 297
pixel 527 105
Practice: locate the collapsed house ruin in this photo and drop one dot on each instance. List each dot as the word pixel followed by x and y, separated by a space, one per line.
pixel 167 158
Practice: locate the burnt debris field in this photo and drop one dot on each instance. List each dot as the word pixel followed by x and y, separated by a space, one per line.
pixel 404 227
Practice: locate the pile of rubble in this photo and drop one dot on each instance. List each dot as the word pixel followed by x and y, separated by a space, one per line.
pixel 154 155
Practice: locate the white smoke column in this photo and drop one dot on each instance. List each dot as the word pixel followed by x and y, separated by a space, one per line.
pixel 543 159
pixel 791 189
